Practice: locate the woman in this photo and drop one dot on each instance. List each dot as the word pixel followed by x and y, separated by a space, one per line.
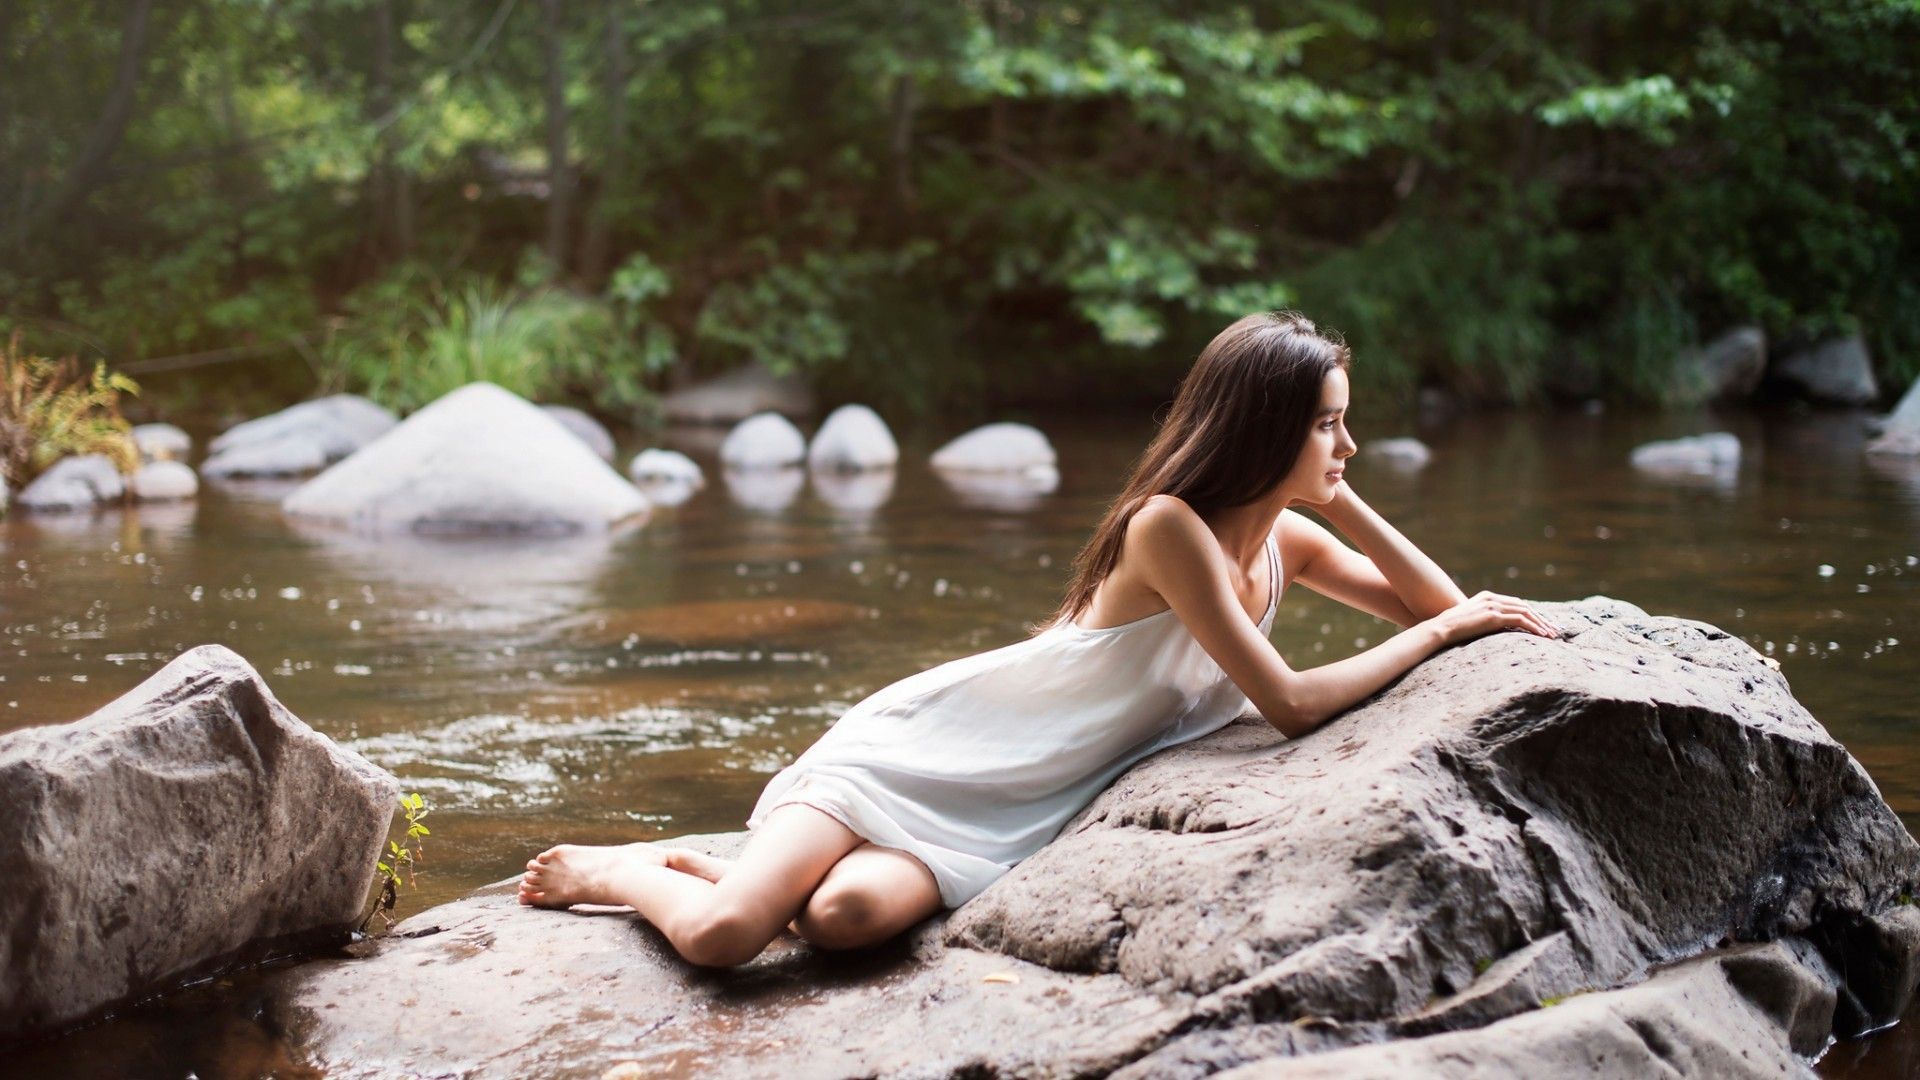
pixel 927 791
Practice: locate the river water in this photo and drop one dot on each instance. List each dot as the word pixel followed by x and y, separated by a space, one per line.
pixel 646 684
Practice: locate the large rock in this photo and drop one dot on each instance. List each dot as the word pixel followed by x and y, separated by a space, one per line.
pixel 853 438
pixel 173 828
pixel 1837 370
pixel 80 482
pixel 733 397
pixel 1726 368
pixel 164 480
pixel 298 440
pixel 1000 447
pixel 162 442
pixel 766 441
pixel 1900 434
pixel 1515 822
pixel 585 428
pixel 479 460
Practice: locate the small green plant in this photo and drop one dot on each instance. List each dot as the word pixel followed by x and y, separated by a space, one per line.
pixel 52 408
pixel 1481 965
pixel 1906 899
pixel 401 858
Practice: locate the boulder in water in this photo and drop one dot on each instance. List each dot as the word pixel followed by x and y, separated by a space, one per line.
pixel 80 482
pixel 175 827
pixel 852 439
pixel 1697 455
pixel 1403 453
pixel 165 480
pixel 998 448
pixel 162 442
pixel 585 428
pixel 1727 368
pixel 297 440
pixel 479 460
pixel 765 441
pixel 1838 371
pixel 1900 434
pixel 664 466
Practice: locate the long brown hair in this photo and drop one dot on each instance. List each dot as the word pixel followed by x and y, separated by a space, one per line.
pixel 1235 428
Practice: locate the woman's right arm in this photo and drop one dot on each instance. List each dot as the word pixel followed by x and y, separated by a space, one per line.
pixel 1180 559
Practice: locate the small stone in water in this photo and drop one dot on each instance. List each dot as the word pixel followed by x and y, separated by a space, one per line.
pixel 290 593
pixel 1825 570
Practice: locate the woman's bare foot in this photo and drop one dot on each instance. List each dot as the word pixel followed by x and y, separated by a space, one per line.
pixel 576 874
pixel 699 864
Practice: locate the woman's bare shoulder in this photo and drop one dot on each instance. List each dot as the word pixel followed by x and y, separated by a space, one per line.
pixel 1162 519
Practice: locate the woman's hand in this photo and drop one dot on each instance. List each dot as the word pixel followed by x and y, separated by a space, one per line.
pixel 1486 612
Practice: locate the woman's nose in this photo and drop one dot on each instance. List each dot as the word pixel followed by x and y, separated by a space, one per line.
pixel 1347 447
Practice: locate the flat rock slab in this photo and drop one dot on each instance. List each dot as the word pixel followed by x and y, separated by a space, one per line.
pixel 486 988
pixel 170 829
pixel 1517 821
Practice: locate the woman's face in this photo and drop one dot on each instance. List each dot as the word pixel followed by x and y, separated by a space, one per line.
pixel 1316 473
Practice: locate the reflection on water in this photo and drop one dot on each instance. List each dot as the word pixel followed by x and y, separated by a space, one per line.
pixel 856 494
pixel 767 490
pixel 646 683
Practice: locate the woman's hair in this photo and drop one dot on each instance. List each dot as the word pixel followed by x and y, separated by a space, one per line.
pixel 1235 428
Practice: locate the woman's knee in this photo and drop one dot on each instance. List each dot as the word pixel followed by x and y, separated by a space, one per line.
pixel 842 918
pixel 724 937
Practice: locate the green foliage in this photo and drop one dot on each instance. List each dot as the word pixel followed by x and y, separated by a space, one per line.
pixel 939 204
pixel 407 339
pixel 400 862
pixel 50 409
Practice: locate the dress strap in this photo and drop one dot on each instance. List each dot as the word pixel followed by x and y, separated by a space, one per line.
pixel 1273 574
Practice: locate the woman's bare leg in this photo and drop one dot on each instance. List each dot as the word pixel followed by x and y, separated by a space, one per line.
pixel 715 924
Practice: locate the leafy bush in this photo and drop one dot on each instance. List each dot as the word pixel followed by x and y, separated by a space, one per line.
pixel 50 409
pixel 407 339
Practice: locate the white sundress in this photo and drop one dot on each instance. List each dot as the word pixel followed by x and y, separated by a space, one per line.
pixel 975 764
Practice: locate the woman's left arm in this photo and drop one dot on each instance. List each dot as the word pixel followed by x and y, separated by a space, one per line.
pixel 1388 576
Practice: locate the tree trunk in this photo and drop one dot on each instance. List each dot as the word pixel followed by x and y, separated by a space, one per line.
pixel 387 190
pixel 91 163
pixel 559 176
pixel 900 145
pixel 613 176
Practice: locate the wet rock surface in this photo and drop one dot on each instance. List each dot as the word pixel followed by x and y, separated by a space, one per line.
pixel 1517 822
pixel 170 829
